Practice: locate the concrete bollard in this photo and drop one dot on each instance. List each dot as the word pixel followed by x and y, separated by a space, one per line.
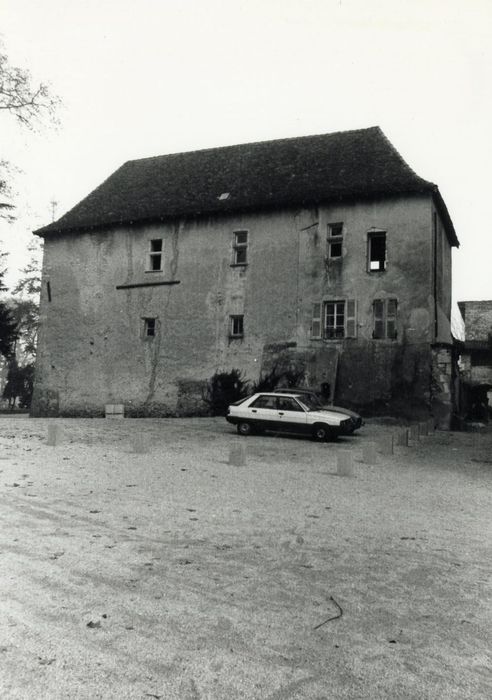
pixel 369 455
pixel 139 445
pixel 114 410
pixel 237 456
pixel 54 434
pixel 345 463
pixel 414 432
pixel 387 445
pixel 402 438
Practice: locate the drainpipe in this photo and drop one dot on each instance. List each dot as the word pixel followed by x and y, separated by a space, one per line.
pixel 434 261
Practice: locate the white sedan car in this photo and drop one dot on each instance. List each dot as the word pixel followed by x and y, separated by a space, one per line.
pixel 290 413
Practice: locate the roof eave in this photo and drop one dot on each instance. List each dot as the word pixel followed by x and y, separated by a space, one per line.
pixel 445 216
pixel 53 230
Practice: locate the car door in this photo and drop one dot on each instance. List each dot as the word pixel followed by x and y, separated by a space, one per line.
pixel 263 411
pixel 291 415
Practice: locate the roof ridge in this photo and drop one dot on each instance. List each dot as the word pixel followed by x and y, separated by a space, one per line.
pixel 257 143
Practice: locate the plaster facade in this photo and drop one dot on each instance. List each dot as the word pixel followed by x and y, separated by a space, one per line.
pixel 97 293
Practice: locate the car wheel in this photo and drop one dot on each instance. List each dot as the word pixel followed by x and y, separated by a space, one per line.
pixel 322 432
pixel 244 428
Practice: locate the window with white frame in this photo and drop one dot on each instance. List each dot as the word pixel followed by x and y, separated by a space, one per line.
pixel 236 326
pixel 332 320
pixel 384 318
pixel 335 240
pixel 240 248
pixel 155 256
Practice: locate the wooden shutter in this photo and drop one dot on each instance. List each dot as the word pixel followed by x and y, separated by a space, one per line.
pixel 351 318
pixel 316 321
pixel 391 307
pixel 378 311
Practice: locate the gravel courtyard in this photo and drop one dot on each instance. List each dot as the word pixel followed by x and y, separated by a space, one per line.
pixel 171 573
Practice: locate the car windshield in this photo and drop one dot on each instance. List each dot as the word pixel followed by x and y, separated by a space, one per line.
pixel 308 401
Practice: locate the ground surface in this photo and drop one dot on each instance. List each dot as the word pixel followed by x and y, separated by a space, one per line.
pixel 174 574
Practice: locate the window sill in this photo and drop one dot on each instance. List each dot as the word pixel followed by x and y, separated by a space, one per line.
pixel 239 264
pixel 236 337
pixel 153 271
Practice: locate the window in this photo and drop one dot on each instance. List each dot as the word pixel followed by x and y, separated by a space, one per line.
pixel 237 326
pixel 265 402
pixel 334 319
pixel 155 255
pixel 384 315
pixel 149 327
pixel 240 248
pixel 286 403
pixel 335 240
pixel 376 251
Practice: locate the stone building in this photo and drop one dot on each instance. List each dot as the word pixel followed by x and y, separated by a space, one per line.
pixel 476 356
pixel 323 254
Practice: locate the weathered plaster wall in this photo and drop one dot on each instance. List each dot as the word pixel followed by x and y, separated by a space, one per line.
pixel 376 374
pixel 91 345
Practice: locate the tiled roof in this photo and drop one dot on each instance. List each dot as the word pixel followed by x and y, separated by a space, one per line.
pixel 300 171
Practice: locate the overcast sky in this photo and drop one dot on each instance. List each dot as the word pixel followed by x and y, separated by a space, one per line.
pixel 158 76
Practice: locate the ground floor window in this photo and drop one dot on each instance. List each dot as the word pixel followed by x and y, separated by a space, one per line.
pixel 236 326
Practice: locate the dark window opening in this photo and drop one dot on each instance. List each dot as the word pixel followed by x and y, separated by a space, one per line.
pixel 149 327
pixel 237 326
pixel 48 290
pixel 481 358
pixel 376 251
pixel 240 248
pixel 155 255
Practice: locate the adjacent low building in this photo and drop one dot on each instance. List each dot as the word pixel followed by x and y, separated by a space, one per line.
pixel 323 256
pixel 476 357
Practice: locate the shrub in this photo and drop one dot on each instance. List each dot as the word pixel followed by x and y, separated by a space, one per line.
pixel 223 389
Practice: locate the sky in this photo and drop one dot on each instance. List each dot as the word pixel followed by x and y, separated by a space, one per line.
pixel 152 77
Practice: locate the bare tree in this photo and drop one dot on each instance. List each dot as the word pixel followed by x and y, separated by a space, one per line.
pixel 29 102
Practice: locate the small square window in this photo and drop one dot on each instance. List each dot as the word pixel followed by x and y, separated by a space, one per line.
pixel 149 327
pixel 155 257
pixel 335 229
pixel 335 249
pixel 237 326
pixel 240 247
